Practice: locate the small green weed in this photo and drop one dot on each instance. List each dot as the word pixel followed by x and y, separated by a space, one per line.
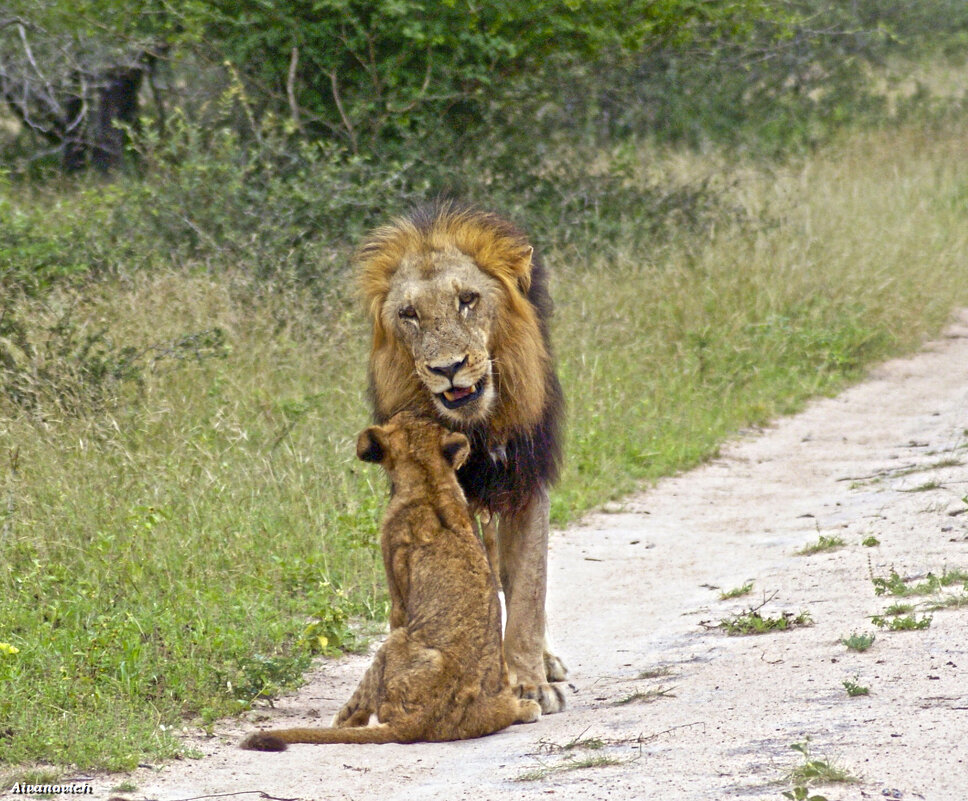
pixel 909 623
pixel 897 609
pixel 859 642
pixel 647 697
pixel 927 486
pixel 824 543
pixel 590 761
pixel 801 793
pixel 951 602
pixel 752 622
pixel 572 761
pixel 870 542
pixel 655 673
pixel 813 771
pixel 736 592
pixel 580 742
pixel 854 689
pixel 896 585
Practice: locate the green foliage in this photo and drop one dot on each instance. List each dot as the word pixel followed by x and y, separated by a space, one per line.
pixel 898 623
pixel 407 79
pixel 380 72
pixel 859 642
pixel 38 245
pixel 895 585
pixel 854 689
pixel 753 622
pixel 813 771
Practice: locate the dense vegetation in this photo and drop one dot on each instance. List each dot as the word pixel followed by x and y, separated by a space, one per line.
pixel 778 189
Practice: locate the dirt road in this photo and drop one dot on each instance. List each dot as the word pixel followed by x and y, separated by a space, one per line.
pixel 678 709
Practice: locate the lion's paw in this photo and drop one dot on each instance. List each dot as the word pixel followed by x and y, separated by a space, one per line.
pixel 549 697
pixel 555 669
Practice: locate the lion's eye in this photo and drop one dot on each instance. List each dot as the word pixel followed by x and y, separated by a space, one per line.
pixel 467 299
pixel 408 313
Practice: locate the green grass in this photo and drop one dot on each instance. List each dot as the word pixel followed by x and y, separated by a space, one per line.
pixel 823 543
pixel 183 524
pixel 746 323
pixel 736 592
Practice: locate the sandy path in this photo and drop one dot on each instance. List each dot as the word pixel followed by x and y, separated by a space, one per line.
pixel 631 589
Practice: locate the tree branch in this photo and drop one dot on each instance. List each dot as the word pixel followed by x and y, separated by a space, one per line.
pixel 291 88
pixel 342 113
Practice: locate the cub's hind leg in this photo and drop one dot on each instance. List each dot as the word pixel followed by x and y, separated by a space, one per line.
pixel 366 698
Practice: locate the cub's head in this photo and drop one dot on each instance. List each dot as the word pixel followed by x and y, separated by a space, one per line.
pixel 408 445
pixel 454 334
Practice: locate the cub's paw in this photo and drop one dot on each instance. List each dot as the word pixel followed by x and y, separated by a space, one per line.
pixel 555 669
pixel 548 696
pixel 528 711
pixel 349 717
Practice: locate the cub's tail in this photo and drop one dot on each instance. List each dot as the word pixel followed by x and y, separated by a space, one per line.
pixel 279 739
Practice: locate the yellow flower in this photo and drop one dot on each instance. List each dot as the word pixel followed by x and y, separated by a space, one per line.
pixel 7 648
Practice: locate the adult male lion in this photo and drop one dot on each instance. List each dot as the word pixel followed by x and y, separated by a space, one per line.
pixel 460 309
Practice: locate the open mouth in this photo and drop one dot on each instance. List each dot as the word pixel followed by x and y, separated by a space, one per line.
pixel 455 397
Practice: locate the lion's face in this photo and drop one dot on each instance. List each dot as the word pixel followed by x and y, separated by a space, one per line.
pixel 443 309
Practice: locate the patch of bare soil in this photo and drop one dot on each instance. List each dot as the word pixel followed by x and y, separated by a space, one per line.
pixel 675 708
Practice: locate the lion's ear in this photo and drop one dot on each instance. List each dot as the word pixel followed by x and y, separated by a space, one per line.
pixel 455 448
pixel 371 445
pixel 524 278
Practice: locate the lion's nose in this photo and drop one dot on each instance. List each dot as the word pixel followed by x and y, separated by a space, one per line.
pixel 448 370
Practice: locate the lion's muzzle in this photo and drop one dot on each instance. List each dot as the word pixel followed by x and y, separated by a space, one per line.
pixel 455 397
pixel 463 390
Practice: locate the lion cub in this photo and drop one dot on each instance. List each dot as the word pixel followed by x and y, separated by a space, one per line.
pixel 441 673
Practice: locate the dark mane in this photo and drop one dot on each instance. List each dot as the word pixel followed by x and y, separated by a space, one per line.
pixel 532 458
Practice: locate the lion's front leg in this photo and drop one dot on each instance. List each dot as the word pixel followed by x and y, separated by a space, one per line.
pixel 523 545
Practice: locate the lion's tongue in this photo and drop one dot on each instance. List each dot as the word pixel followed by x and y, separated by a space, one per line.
pixel 457 393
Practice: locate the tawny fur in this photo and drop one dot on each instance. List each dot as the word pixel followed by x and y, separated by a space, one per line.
pixel 441 673
pixel 458 299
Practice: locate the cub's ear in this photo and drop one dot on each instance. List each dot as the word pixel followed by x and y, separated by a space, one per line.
pixel 455 448
pixel 371 444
